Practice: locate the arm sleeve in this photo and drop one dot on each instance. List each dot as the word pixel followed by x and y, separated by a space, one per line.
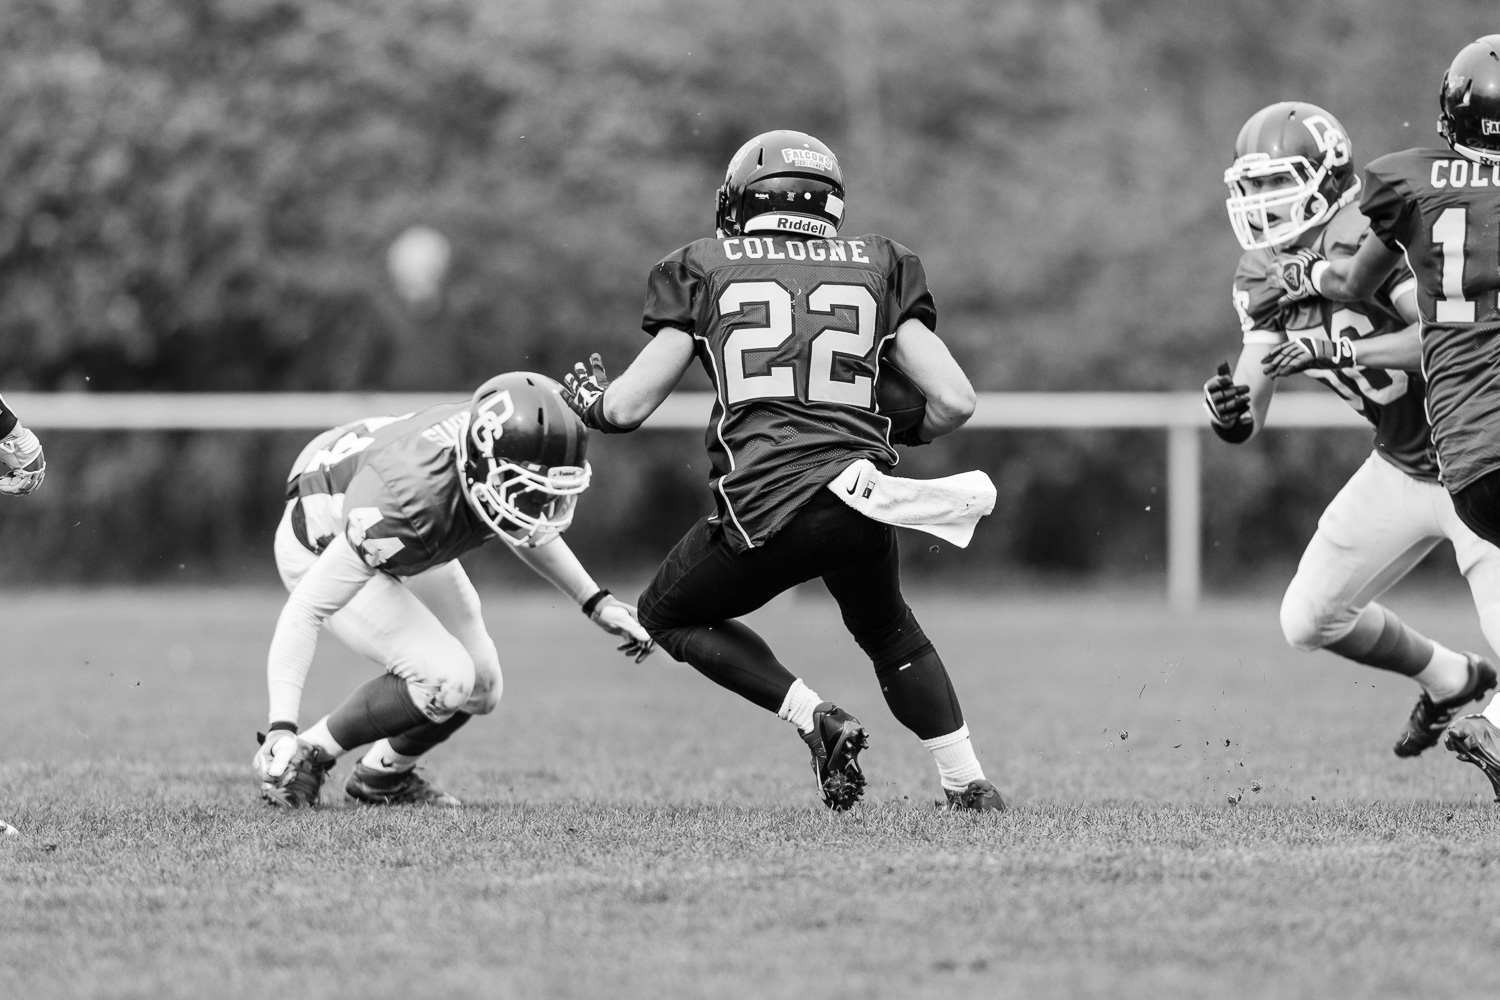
pixel 912 298
pixel 332 582
pixel 671 296
pixel 556 563
pixel 1392 216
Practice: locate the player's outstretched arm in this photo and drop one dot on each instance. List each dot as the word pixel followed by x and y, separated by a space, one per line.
pixel 332 582
pixel 1306 273
pixel 926 360
pixel 554 562
pixel 625 403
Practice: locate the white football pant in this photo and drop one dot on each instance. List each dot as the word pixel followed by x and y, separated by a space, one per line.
pixel 1374 532
pixel 426 629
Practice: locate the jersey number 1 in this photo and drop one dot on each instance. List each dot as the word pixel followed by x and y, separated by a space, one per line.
pixel 1450 232
pixel 780 381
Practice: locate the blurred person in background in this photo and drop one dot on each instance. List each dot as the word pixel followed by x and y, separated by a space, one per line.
pixel 378 513
pixel 794 323
pixel 1292 185
pixel 1438 212
pixel 22 464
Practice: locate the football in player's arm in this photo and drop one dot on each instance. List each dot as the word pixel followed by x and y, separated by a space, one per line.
pixel 378 513
pixel 793 323
pixel 22 464
pixel 1291 190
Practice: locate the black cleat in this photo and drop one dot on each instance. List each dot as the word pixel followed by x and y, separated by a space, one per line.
pixel 836 741
pixel 1476 740
pixel 1429 718
pixel 299 785
pixel 395 788
pixel 980 795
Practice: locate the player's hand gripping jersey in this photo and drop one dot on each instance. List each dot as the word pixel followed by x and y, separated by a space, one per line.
pixel 1391 400
pixel 791 330
pixel 392 485
pixel 1443 211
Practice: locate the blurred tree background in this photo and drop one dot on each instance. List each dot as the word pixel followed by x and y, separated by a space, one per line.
pixel 198 195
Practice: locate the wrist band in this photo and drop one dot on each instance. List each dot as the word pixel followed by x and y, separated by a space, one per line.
pixel 1315 275
pixel 1236 433
pixel 290 727
pixel 593 602
pixel 598 421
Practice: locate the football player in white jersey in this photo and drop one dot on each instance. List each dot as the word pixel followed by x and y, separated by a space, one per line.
pixel 378 513
pixel 1292 185
pixel 22 464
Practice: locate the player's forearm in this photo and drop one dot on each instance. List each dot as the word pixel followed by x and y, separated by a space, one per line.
pixel 556 563
pixel 1262 388
pixel 926 360
pixel 650 379
pixel 1400 350
pixel 1351 279
pixel 332 582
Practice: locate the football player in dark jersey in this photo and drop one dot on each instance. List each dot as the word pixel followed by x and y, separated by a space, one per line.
pixel 378 513
pixel 1439 210
pixel 22 464
pixel 1292 184
pixel 793 322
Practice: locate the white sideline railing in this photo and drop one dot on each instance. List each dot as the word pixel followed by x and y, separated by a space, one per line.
pixel 1180 414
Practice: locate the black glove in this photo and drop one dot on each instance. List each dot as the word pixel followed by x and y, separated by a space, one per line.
pixel 1228 406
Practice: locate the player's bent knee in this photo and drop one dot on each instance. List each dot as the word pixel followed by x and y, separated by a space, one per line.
pixel 1309 625
pixel 444 686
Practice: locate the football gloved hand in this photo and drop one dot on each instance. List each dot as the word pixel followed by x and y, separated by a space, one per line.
pixel 1228 405
pixel 1299 354
pixel 1295 272
pixel 619 619
pixel 276 749
pixel 22 465
pixel 583 390
pixel 19 482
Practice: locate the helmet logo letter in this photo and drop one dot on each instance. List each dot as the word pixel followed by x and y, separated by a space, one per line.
pixel 1330 139
pixel 1489 126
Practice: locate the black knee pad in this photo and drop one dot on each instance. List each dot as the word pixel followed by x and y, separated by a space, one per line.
pixel 892 645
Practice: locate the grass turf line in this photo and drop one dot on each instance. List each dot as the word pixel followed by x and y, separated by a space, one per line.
pixel 635 831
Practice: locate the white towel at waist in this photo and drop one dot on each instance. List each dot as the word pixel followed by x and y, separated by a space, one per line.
pixel 948 508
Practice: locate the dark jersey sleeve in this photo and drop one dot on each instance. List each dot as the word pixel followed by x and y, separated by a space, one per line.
pixel 8 419
pixel 1392 215
pixel 671 293
pixel 913 299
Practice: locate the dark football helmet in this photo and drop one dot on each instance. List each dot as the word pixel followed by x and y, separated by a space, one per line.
pixel 1470 101
pixel 521 458
pixel 1293 168
pixel 783 181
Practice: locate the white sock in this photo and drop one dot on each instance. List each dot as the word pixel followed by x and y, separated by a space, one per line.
pixel 1492 710
pixel 319 736
pixel 381 757
pixel 956 763
pixel 798 706
pixel 1446 674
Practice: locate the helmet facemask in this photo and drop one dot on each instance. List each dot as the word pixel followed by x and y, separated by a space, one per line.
pixel 523 503
pixel 1299 205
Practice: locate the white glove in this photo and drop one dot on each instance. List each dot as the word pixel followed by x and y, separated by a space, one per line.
pixel 619 619
pixel 274 754
pixel 22 465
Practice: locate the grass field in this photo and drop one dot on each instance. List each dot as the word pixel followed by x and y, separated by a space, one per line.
pixel 636 831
